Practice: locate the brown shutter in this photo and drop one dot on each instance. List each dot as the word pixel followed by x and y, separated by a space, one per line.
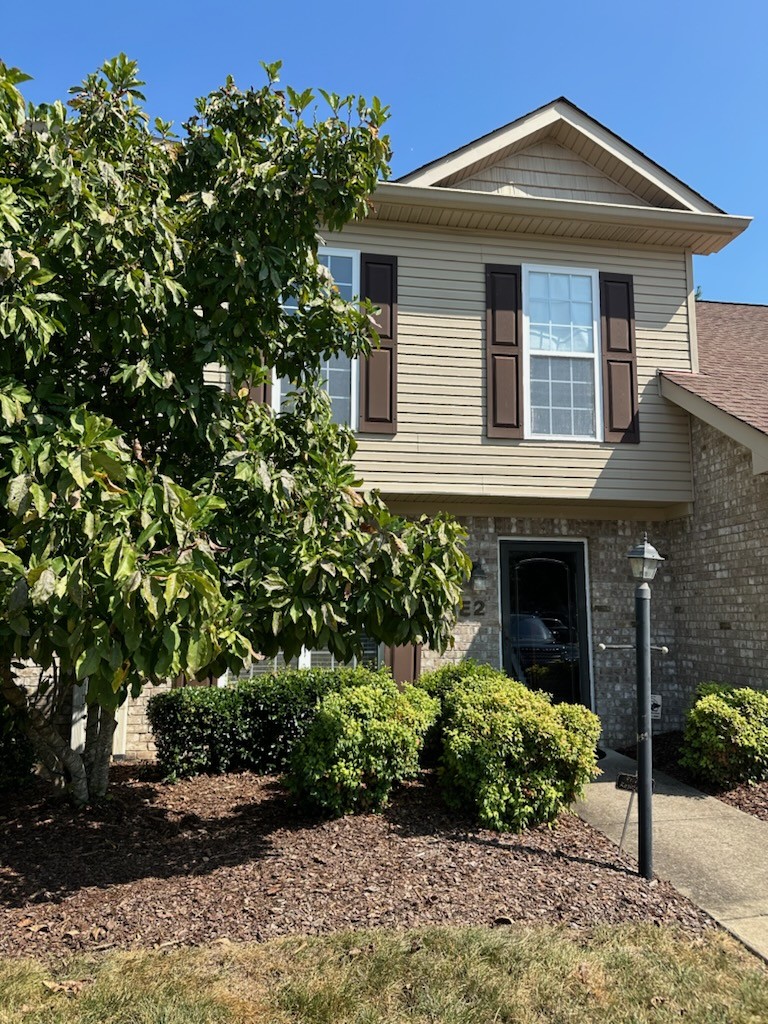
pixel 405 662
pixel 617 311
pixel 503 351
pixel 262 393
pixel 378 373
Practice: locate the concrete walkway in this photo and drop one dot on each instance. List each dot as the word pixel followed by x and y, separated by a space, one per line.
pixel 711 852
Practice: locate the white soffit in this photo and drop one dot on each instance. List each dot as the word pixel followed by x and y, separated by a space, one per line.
pixel 419 206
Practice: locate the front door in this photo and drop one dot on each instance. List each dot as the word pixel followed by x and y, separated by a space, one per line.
pixel 545 640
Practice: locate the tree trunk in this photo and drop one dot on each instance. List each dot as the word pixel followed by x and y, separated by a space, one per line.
pixel 43 733
pixel 102 754
pixel 91 737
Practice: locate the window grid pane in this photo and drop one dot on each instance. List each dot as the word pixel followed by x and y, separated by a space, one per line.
pixel 562 397
pixel 561 314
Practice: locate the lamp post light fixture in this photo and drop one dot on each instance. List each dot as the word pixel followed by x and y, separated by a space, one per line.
pixel 644 560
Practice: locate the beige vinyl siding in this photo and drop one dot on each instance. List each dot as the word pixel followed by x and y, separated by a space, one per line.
pixel 549 171
pixel 440 446
pixel 216 375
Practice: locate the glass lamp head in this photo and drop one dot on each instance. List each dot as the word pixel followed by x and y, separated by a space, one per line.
pixel 644 560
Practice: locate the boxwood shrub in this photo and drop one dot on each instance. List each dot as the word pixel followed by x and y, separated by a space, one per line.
pixel 17 756
pixel 196 729
pixel 726 735
pixel 250 725
pixel 439 683
pixel 277 709
pixel 510 755
pixel 362 741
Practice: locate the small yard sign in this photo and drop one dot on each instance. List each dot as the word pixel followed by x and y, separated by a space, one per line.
pixel 628 782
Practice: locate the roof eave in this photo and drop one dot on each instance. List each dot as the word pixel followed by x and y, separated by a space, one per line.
pixel 701 233
pixel 724 422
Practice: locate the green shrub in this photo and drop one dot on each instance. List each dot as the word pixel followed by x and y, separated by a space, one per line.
pixel 251 725
pixel 17 756
pixel 512 756
pixel 447 678
pixel 726 735
pixel 277 709
pixel 362 741
pixel 439 683
pixel 196 729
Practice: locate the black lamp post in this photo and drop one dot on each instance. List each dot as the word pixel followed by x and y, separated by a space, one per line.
pixel 644 559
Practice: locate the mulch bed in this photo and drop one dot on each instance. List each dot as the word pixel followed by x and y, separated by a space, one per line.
pixel 749 797
pixel 231 857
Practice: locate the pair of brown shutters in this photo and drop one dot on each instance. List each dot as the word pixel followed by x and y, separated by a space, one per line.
pixel 504 355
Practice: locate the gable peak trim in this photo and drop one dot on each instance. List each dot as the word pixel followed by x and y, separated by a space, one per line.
pixel 546 120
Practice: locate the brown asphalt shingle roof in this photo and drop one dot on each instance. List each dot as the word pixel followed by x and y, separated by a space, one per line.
pixel 733 361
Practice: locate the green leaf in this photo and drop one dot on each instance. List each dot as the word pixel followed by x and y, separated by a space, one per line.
pixel 43 587
pixel 18 489
pixel 75 583
pixel 148 533
pixel 87 663
pixel 18 597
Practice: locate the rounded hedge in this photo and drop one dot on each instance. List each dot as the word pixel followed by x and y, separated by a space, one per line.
pixel 361 742
pixel 510 755
pixel 277 709
pixel 196 729
pixel 726 735
pixel 249 725
pixel 439 683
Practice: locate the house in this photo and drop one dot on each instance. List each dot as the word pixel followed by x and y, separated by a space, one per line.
pixel 546 375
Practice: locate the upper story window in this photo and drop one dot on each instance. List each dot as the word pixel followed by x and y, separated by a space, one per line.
pixel 561 346
pixel 339 373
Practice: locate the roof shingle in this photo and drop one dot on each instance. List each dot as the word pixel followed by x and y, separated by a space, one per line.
pixel 733 361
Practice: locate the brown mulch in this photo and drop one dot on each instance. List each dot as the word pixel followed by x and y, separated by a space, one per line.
pixel 231 857
pixel 751 797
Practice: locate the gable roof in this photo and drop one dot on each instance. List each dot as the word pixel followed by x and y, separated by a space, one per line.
pixel 730 390
pixel 571 127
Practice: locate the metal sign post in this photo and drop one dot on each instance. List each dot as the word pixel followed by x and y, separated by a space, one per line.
pixel 644 734
pixel 642 783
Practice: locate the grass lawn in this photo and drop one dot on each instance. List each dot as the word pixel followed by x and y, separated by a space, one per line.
pixel 621 974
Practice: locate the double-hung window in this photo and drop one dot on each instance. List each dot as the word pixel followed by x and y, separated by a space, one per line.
pixel 561 353
pixel 339 373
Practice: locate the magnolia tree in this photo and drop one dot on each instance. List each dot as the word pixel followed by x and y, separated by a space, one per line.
pixel 152 525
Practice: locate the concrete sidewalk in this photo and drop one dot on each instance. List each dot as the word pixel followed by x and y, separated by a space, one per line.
pixel 711 852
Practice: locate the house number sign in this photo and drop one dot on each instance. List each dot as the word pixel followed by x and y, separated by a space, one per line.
pixel 472 607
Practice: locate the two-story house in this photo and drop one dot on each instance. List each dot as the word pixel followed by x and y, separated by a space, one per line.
pixel 537 377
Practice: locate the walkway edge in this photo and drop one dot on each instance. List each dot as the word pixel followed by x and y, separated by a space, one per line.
pixel 711 852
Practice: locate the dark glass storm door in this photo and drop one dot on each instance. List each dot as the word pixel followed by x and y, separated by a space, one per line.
pixel 544 617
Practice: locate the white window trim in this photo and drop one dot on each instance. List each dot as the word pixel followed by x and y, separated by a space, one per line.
pixel 595 356
pixel 327 250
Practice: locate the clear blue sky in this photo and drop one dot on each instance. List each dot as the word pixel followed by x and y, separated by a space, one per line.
pixel 685 82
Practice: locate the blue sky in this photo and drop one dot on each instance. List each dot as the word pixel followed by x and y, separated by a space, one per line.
pixel 687 83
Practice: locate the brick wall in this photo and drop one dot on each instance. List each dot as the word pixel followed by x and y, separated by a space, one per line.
pixel 611 606
pixel 139 742
pixel 710 597
pixel 720 563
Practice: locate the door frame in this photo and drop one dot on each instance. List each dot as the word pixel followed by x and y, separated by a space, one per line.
pixel 587 603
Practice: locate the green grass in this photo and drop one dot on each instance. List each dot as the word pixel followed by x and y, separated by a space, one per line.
pixel 625 975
